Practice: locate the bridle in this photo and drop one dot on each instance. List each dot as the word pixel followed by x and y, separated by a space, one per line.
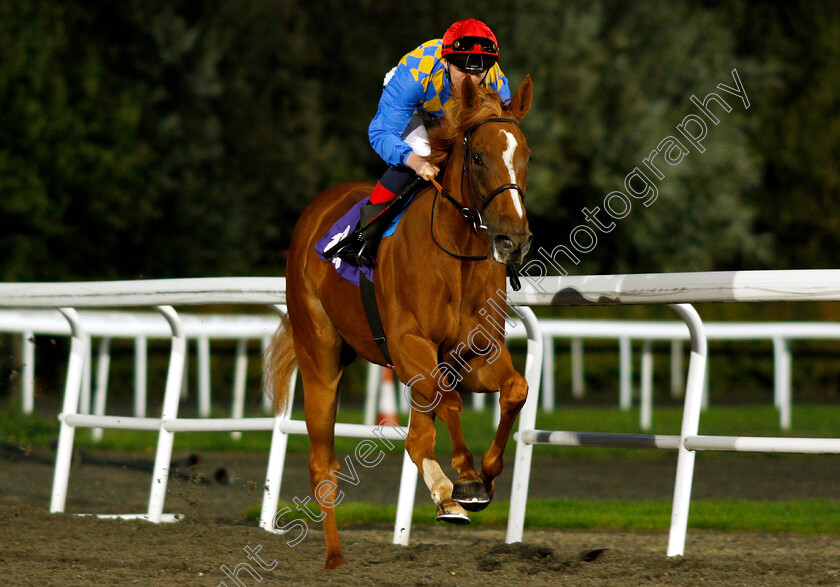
pixel 478 202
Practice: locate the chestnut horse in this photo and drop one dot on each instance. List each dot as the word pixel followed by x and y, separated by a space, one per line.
pixel 437 282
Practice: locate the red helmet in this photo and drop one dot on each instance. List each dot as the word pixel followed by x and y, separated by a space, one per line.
pixel 470 45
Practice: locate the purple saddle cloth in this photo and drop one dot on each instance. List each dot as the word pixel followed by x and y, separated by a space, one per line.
pixel 345 225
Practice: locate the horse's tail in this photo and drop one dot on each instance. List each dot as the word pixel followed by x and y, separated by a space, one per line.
pixel 280 363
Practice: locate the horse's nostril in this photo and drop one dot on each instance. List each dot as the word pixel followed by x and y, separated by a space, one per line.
pixel 527 246
pixel 503 242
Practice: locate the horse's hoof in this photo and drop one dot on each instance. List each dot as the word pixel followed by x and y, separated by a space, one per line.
pixel 449 511
pixel 471 495
pixel 490 487
pixel 334 562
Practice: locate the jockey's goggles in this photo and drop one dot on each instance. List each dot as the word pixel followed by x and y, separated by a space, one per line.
pixel 465 44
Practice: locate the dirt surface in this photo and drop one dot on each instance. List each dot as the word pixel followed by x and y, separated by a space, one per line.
pixel 38 548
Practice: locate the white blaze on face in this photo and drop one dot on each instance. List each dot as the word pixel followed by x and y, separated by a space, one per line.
pixel 507 157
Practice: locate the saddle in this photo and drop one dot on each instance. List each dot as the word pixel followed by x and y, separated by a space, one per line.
pixel 359 247
pixel 358 251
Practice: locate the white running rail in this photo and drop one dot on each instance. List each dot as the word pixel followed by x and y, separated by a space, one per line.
pixel 627 331
pixel 163 295
pixel 677 290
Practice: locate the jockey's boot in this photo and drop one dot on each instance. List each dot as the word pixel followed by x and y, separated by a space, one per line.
pixel 360 249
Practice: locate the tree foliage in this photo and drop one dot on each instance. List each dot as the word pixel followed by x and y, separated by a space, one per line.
pixel 183 139
pixel 71 172
pixel 613 81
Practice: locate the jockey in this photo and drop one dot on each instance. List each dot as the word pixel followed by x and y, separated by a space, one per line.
pixel 412 99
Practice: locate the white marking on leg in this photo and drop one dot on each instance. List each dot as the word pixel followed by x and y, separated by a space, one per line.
pixel 507 157
pixel 439 484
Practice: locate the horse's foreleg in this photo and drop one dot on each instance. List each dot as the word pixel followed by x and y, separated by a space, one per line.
pixel 468 489
pixel 420 442
pixel 513 392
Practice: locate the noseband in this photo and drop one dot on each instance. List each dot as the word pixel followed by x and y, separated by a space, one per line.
pixel 478 202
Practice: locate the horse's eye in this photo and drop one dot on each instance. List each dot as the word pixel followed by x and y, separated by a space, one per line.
pixel 477 159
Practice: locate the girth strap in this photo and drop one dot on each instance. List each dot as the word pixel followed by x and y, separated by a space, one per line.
pixel 372 313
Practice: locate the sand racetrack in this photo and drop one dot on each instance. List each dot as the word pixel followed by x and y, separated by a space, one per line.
pixel 38 548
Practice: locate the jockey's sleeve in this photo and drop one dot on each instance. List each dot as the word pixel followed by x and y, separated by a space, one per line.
pixel 396 106
pixel 503 87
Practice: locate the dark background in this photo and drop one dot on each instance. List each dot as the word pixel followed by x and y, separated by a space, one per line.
pixel 177 139
pixel 150 139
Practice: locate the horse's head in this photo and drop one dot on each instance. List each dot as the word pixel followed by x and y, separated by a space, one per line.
pixel 490 163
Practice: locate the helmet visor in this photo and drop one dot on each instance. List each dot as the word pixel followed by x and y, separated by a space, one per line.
pixel 471 62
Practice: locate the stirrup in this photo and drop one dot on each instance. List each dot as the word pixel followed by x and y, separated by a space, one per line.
pixel 338 248
pixel 349 253
pixel 346 251
pixel 363 257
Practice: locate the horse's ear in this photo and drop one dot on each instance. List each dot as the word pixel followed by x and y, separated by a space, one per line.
pixel 469 93
pixel 520 104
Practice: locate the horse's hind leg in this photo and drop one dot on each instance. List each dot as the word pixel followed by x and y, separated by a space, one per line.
pixel 320 365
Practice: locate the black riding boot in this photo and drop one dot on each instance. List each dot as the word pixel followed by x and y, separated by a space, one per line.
pixel 361 246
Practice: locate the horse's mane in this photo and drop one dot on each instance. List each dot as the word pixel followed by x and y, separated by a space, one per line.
pixel 457 119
